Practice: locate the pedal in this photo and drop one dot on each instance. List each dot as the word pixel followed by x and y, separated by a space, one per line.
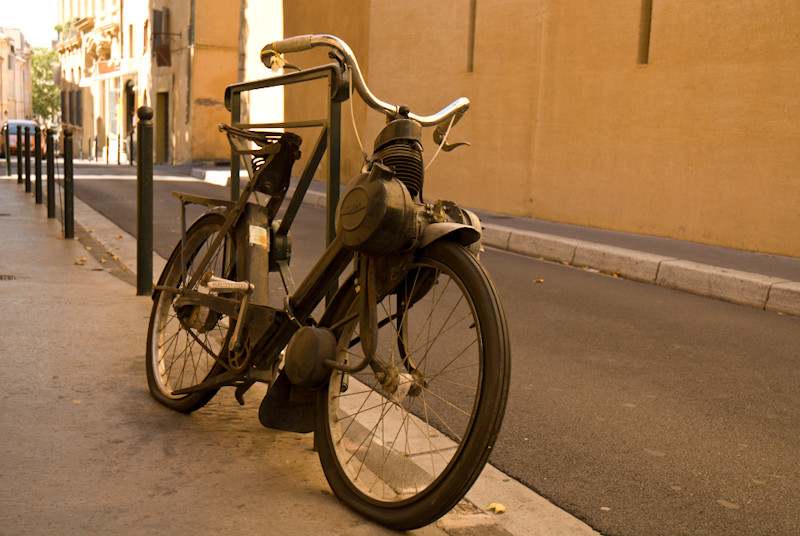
pixel 218 284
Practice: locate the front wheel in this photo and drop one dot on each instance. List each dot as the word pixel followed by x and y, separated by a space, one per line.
pixel 405 452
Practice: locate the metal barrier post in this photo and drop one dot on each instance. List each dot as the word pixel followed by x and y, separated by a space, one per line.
pixel 51 173
pixel 69 188
pixel 144 202
pixel 7 134
pixel 19 154
pixel 28 159
pixel 37 160
pixel 236 117
pixel 334 168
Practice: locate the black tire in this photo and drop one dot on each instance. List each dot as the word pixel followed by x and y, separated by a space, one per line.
pixel 405 459
pixel 178 347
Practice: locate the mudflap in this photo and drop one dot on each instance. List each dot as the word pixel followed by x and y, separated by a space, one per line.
pixel 288 407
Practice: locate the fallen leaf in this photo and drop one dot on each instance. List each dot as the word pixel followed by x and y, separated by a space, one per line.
pixel 497 508
pixel 728 505
pixel 88 248
pixel 103 261
pixel 81 261
pixel 118 236
pixel 538 280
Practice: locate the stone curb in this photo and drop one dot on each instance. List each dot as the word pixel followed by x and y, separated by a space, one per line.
pixel 784 298
pixel 743 288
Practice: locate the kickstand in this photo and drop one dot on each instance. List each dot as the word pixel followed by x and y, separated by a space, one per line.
pixel 241 389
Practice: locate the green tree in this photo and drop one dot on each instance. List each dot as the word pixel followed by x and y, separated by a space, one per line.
pixel 46 95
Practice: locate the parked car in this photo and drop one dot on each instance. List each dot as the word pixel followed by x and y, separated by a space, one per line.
pixel 12 135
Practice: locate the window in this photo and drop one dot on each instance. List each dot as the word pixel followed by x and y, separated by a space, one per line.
pixel 161 48
pixel 473 8
pixel 644 32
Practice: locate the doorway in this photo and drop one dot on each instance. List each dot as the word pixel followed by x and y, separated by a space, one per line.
pixel 162 127
pixel 130 113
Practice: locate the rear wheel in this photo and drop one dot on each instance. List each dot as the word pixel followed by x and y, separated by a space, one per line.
pixel 404 452
pixel 184 343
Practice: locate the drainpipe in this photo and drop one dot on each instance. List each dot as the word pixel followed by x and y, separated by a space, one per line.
pixel 190 60
pixel 242 22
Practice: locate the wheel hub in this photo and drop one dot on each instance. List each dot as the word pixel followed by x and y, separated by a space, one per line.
pixel 197 317
pixel 400 385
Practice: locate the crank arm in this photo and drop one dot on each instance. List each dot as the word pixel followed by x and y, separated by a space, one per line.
pixel 227 379
pixel 226 306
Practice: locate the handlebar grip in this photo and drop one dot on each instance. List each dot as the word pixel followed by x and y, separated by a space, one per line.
pixel 292 44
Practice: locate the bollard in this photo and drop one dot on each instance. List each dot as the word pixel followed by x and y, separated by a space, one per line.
pixel 28 159
pixel 144 202
pixel 37 160
pixel 51 173
pixel 19 154
pixel 7 134
pixel 69 214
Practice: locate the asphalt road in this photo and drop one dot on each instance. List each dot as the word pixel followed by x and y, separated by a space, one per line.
pixel 639 409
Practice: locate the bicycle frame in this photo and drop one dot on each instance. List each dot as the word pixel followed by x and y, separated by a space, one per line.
pixel 270 329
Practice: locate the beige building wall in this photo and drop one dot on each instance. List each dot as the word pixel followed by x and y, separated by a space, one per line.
pixel 569 122
pixel 213 44
pixel 219 59
pixel 187 93
pixel 350 20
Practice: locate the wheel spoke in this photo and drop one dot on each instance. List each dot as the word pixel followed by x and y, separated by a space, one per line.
pixel 181 355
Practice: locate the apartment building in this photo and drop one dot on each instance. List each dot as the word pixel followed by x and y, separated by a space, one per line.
pixel 15 76
pixel 175 56
pixel 101 68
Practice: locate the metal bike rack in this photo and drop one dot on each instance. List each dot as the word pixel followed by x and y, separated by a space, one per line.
pixel 329 137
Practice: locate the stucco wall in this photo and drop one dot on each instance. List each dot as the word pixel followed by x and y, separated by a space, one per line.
pixel 215 66
pixel 348 19
pixel 699 144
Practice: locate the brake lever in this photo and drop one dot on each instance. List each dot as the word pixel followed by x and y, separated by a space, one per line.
pixel 441 130
pixel 447 147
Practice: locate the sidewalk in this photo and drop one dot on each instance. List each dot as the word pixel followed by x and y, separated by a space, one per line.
pixel 87 451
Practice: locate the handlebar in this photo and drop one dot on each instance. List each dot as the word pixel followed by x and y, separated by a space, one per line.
pixel 300 43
